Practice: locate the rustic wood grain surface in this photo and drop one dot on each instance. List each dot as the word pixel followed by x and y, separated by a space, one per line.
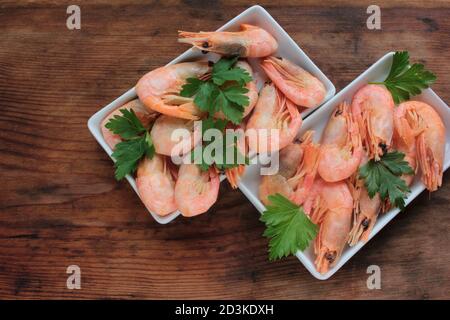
pixel 60 204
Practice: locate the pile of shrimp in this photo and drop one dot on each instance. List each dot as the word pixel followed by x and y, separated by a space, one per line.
pixel 165 187
pixel 323 177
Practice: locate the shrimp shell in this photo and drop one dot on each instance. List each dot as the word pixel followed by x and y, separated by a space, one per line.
pixel 430 142
pixel 282 182
pixel 156 185
pixel 365 209
pixel 159 89
pixel 373 110
pixel 332 210
pixel 297 84
pixel 341 148
pixel 251 41
pixel 196 191
pixel 164 128
pixel 273 111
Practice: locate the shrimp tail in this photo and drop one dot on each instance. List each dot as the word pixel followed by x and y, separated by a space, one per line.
pixel 306 173
pixel 234 175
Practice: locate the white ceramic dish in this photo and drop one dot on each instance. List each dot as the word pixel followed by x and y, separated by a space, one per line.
pixel 255 15
pixel 317 121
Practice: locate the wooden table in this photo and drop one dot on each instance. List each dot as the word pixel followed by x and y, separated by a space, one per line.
pixel 60 204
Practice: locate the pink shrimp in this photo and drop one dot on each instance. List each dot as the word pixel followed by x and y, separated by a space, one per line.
pixel 284 181
pixel 373 110
pixel 162 135
pixel 251 41
pixel 156 185
pixel 341 148
pixel 196 191
pixel 159 89
pixel 297 84
pixel 307 169
pixel 274 123
pixel 365 209
pixel 430 142
pixel 145 116
pixel 332 210
pixel 408 125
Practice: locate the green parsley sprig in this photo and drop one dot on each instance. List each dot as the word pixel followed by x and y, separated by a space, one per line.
pixel 384 177
pixel 223 91
pixel 137 142
pixel 287 226
pixel 405 80
pixel 209 155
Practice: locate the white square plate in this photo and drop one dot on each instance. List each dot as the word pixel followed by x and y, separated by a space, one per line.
pixel 377 72
pixel 255 15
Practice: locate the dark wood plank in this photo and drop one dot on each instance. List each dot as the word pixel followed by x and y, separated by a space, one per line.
pixel 60 204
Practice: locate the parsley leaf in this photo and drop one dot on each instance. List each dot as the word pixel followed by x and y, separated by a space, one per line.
pixel 127 125
pixel 236 74
pixel 405 80
pixel 149 146
pixel 191 87
pixel 224 64
pixel 137 142
pixel 224 91
pixel 230 109
pixel 218 153
pixel 237 95
pixel 287 226
pixel 384 177
pixel 205 97
pixel 233 112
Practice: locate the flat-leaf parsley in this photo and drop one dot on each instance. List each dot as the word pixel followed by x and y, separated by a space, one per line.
pixel 136 143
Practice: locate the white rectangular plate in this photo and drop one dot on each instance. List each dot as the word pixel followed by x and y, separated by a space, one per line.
pixel 255 15
pixel 377 72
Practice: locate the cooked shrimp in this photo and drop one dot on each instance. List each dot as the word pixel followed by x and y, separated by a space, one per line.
pixel 252 93
pixel 196 191
pixel 145 116
pixel 341 148
pixel 274 123
pixel 430 142
pixel 283 182
pixel 365 209
pixel 407 127
pixel 307 169
pixel 156 185
pixel 159 89
pixel 373 109
pixel 296 172
pixel 251 41
pixel 333 206
pixel 297 84
pixel 162 135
